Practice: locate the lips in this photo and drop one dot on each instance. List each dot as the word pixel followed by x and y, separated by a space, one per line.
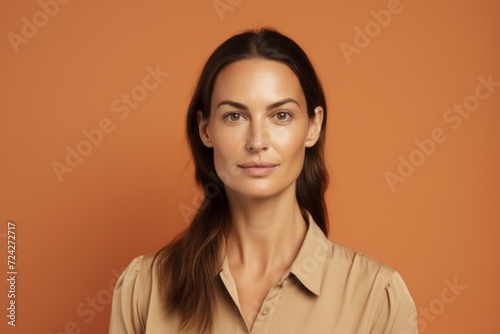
pixel 257 168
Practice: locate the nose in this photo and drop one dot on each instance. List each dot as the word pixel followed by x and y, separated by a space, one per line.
pixel 258 137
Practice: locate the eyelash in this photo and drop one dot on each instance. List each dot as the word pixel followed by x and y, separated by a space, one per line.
pixel 288 114
pixel 229 114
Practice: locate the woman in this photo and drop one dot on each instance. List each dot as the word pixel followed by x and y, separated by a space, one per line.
pixel 255 258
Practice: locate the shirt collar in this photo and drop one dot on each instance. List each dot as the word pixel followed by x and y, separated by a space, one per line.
pixel 309 264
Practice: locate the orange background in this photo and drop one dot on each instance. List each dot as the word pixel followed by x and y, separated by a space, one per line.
pixel 130 195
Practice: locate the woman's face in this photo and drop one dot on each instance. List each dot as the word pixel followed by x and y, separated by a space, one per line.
pixel 259 128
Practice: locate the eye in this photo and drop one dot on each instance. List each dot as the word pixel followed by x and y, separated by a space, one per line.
pixel 283 116
pixel 232 117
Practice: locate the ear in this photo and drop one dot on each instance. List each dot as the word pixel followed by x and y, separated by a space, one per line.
pixel 315 127
pixel 203 129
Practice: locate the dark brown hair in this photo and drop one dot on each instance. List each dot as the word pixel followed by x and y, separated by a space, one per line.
pixel 188 266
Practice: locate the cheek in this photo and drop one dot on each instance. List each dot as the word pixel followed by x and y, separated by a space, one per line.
pixel 225 150
pixel 290 145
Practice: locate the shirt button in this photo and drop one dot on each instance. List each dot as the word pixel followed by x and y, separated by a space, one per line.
pixel 265 311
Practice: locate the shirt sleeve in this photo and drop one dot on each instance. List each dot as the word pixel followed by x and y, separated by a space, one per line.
pixel 396 312
pixel 129 306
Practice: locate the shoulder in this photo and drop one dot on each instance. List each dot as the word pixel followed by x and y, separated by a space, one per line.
pixel 344 265
pixel 364 280
pixel 138 271
pixel 365 289
pixel 342 261
pixel 348 260
pixel 355 269
pixel 131 296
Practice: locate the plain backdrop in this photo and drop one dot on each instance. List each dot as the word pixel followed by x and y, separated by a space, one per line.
pixel 95 170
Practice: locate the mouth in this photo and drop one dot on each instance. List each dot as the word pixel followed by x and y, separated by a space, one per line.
pixel 258 168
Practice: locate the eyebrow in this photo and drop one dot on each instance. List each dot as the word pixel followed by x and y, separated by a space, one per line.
pixel 269 107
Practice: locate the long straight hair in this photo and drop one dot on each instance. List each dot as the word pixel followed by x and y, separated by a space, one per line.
pixel 188 266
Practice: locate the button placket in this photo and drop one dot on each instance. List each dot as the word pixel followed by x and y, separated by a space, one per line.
pixel 269 305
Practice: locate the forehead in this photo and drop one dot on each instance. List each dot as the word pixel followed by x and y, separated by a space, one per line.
pixel 257 81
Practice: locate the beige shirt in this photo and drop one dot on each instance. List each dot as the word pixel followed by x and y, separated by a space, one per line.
pixel 328 289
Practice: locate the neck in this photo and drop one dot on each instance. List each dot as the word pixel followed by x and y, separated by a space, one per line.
pixel 265 234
